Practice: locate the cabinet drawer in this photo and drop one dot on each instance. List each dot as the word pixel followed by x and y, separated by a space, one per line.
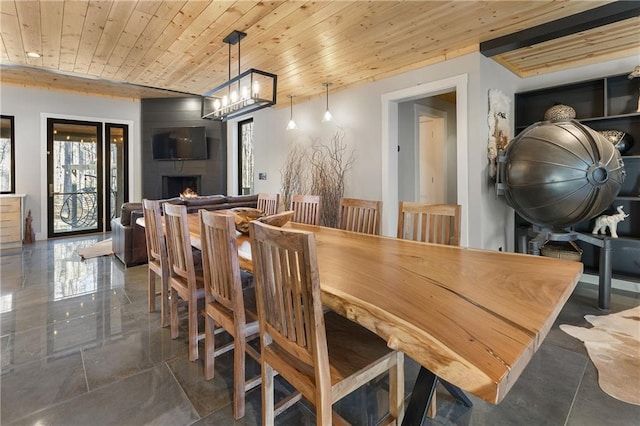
pixel 8 205
pixel 10 218
pixel 9 234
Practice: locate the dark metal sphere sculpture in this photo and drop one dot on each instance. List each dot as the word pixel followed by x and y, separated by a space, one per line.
pixel 556 174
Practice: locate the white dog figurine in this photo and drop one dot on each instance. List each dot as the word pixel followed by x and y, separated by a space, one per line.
pixel 611 221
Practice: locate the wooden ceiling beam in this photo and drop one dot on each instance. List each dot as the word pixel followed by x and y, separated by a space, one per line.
pixel 587 20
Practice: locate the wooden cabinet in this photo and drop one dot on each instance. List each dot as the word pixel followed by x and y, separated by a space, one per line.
pixel 609 103
pixel 11 221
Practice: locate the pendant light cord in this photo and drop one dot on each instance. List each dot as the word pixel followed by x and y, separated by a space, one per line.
pixel 327 86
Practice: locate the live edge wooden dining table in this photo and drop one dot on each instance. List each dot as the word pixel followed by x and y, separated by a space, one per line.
pixel 473 318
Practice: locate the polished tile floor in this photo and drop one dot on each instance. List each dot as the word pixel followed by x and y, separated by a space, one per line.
pixel 78 347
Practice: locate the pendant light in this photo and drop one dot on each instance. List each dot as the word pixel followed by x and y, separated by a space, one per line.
pixel 245 93
pixel 327 114
pixel 292 124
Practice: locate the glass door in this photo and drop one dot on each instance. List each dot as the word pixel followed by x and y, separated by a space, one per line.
pixel 116 171
pixel 75 177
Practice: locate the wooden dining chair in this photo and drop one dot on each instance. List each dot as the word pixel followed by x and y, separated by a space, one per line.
pixel 158 258
pixel 324 356
pixel 227 305
pixel 360 215
pixel 307 209
pixel 268 203
pixel 432 223
pixel 184 281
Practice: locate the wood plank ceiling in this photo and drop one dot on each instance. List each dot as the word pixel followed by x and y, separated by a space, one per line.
pixel 133 48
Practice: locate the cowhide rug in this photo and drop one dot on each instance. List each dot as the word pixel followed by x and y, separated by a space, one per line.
pixel 613 344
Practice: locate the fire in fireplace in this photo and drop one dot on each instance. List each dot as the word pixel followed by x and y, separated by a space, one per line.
pixel 174 186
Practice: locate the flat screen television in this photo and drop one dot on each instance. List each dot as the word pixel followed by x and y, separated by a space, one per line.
pixel 179 143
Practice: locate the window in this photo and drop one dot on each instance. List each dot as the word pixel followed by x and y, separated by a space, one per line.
pixel 7 156
pixel 245 157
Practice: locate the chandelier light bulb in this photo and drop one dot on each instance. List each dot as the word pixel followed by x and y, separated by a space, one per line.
pixel 234 97
pixel 256 89
pixel 244 93
pixel 225 101
pixel 216 104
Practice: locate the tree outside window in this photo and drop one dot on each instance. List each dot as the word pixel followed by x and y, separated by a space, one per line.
pixel 7 156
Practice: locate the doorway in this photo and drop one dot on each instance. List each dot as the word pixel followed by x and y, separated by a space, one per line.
pixel 87 177
pixel 390 144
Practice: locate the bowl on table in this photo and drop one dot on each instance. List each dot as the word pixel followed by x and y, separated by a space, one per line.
pixel 244 215
pixel 278 219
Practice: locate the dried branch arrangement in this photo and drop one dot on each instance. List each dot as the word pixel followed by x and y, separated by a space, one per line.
pixel 321 170
pixel 294 180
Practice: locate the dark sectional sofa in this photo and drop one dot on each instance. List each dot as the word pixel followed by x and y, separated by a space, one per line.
pixel 129 243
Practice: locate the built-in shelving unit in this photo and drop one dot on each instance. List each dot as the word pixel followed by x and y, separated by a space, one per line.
pixel 609 103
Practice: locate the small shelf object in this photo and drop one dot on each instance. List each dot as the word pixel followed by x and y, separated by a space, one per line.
pixel 604 104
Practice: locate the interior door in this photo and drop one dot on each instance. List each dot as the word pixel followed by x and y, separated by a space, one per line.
pixel 74 177
pixel 433 162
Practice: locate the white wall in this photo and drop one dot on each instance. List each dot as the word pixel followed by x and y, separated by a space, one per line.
pixel 407 149
pixel 30 107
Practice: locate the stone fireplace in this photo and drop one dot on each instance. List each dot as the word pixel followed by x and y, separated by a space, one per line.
pixel 172 186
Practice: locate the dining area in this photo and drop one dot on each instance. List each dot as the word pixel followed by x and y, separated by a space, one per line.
pixel 79 345
pixel 329 310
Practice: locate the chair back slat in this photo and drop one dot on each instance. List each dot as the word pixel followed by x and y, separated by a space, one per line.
pixel 307 209
pixel 268 203
pixel 154 234
pixel 360 215
pixel 179 242
pixel 432 223
pixel 288 291
pixel 220 260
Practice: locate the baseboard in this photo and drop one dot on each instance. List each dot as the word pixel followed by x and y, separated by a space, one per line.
pixel 615 283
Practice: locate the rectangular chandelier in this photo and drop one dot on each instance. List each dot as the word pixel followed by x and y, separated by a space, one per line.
pixel 247 92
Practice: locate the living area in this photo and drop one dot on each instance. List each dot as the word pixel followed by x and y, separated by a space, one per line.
pixel 78 342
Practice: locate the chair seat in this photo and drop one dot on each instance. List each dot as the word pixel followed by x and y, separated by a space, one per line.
pixel 250 309
pixel 155 265
pixel 352 350
pixel 183 282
